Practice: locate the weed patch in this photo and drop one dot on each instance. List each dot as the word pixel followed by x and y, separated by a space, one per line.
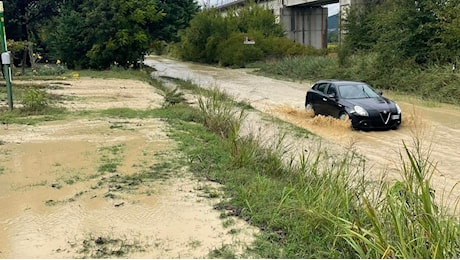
pixel 107 247
pixel 111 158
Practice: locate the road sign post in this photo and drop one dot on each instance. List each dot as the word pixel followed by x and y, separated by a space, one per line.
pixel 6 59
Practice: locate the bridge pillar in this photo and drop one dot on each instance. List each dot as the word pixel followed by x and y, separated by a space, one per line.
pixel 305 25
pixel 345 5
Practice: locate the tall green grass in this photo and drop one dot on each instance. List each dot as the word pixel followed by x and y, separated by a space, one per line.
pixel 318 204
pixel 220 115
pixel 407 222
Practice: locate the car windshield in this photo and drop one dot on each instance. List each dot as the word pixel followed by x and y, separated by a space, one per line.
pixel 353 91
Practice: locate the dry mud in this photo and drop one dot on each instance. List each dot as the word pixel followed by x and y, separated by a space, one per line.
pixel 55 205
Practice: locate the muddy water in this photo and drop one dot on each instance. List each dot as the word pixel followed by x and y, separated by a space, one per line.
pixel 438 128
pixel 55 203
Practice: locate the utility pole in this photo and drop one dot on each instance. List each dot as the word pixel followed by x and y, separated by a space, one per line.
pixel 6 59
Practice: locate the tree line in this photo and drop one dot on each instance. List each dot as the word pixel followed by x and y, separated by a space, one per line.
pixel 405 32
pixel 93 33
pixel 98 34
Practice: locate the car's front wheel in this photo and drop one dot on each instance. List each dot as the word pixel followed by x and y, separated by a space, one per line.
pixel 344 116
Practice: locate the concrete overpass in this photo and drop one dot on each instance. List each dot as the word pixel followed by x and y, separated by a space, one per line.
pixel 305 21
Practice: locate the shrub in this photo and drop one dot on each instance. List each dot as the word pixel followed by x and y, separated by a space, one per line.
pixel 212 38
pixel 173 97
pixel 233 52
pixel 219 115
pixel 35 100
pixel 49 70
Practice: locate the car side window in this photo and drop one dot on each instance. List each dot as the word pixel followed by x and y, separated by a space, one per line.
pixel 331 90
pixel 321 87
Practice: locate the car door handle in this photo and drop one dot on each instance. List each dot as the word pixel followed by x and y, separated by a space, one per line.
pixel 324 99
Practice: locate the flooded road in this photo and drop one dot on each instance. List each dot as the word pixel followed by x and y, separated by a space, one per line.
pixel 436 126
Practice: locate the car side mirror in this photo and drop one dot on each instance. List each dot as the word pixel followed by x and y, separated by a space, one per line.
pixel 380 92
pixel 332 95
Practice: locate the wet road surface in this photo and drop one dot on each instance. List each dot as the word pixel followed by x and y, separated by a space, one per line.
pixel 437 127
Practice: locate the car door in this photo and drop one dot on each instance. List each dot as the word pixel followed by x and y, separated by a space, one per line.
pixel 330 104
pixel 318 98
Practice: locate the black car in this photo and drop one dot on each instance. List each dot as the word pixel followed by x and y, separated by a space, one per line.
pixel 366 108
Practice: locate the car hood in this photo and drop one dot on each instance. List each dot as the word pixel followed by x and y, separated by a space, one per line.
pixel 377 104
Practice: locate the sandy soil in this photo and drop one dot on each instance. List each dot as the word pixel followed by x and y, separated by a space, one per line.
pixel 436 126
pixel 56 205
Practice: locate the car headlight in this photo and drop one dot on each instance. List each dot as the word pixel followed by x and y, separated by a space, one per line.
pixel 398 108
pixel 360 111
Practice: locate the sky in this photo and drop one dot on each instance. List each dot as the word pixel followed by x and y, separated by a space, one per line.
pixel 333 8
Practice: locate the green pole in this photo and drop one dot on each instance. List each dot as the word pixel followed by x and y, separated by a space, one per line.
pixel 6 59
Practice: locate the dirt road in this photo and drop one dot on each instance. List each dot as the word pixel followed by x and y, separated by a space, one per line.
pixel 57 201
pixel 437 126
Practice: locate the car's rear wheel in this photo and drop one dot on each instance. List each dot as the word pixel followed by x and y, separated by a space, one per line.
pixel 309 108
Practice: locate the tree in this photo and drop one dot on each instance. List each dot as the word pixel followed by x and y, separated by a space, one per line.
pixel 215 38
pixel 359 27
pixel 177 17
pixel 68 42
pixel 408 29
pixel 199 41
pixel 420 32
pixel 25 17
pixel 99 33
pixel 254 17
pixel 448 47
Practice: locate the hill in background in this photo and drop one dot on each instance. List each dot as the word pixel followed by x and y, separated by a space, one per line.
pixel 333 22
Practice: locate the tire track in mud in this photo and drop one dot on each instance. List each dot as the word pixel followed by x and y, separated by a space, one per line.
pixel 437 128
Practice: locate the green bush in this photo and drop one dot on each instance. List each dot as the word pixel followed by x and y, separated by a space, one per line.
pixel 158 47
pixel 279 47
pixel 212 38
pixel 233 52
pixel 173 97
pixel 199 41
pixel 35 100
pixel 49 70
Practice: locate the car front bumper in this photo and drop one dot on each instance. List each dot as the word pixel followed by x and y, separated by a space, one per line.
pixel 392 121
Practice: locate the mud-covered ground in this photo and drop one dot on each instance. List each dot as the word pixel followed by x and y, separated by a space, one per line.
pixel 58 201
pixel 57 204
pixel 436 126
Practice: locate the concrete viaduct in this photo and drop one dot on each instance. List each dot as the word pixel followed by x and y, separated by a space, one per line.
pixel 305 21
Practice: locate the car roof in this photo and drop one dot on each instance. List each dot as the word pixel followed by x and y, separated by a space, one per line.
pixel 340 82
